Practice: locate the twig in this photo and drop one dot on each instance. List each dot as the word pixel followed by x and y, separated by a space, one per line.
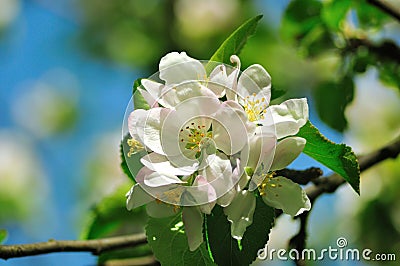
pixel 298 241
pixel 386 7
pixel 302 177
pixel 96 246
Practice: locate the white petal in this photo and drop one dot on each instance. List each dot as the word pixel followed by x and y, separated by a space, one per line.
pixel 160 210
pixel 193 221
pixel 231 129
pixel 231 94
pixel 148 178
pixel 164 188
pixel 258 155
pixel 205 194
pixel 287 151
pixel 135 124
pixel 145 126
pixel 156 180
pixel 151 91
pixel 219 81
pixel 197 100
pixel 219 175
pixel 288 117
pixel 161 164
pixel 178 67
pixel 253 80
pixel 137 197
pixel 283 193
pixel 240 213
pixel 171 136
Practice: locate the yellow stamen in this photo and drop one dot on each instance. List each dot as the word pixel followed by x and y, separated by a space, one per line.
pixel 134 146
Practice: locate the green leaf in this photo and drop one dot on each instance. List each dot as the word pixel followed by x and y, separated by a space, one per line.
pixel 331 99
pixel 168 240
pixel 235 42
pixel 3 235
pixel 338 157
pixel 389 74
pixel 138 100
pixel 226 250
pixel 276 92
pixel 334 12
pixel 369 15
pixel 303 27
pixel 125 253
pixel 300 17
pixel 130 164
pixel 110 217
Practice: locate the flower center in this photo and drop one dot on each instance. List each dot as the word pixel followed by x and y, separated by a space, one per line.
pixel 255 108
pixel 266 183
pixel 134 146
pixel 192 135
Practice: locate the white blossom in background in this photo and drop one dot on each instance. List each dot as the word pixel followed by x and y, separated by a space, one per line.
pixel 214 139
pixel 21 177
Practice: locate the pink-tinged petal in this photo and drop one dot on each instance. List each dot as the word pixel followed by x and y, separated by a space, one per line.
pixel 193 221
pixel 178 67
pixel 220 175
pixel 231 128
pixel 288 117
pixel 282 193
pixel 253 80
pixel 287 151
pixel 137 197
pixel 240 213
pixel 204 193
pixel 162 165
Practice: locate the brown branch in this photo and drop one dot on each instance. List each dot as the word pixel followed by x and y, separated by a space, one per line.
pixel 96 246
pixel 298 241
pixel 302 177
pixel 386 7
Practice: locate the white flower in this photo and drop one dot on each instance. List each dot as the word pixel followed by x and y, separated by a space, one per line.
pixel 186 139
pixel 156 206
pixel 200 135
pixel 179 72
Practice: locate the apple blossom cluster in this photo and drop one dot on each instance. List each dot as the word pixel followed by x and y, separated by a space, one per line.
pixel 211 137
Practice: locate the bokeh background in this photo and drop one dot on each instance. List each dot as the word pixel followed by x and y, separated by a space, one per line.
pixel 66 75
